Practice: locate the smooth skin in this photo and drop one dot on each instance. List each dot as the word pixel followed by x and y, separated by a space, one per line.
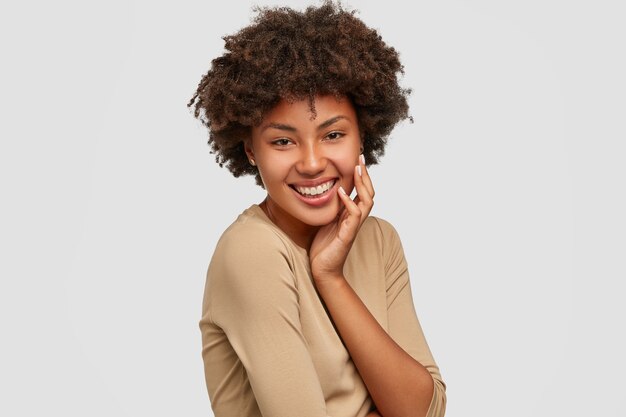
pixel 291 147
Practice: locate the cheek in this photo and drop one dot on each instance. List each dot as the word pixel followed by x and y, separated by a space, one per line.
pixel 274 167
pixel 346 165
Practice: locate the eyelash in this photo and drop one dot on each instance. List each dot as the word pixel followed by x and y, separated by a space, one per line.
pixel 277 142
pixel 281 142
pixel 339 135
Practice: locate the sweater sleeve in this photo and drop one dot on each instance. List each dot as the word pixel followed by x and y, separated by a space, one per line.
pixel 254 300
pixel 404 326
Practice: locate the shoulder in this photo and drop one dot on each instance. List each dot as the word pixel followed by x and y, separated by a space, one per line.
pixel 249 247
pixel 250 241
pixel 378 229
pixel 250 233
pixel 379 239
pixel 376 238
pixel 251 262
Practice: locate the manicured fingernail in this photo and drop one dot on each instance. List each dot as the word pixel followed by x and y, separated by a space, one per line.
pixel 358 169
pixel 362 158
pixel 341 190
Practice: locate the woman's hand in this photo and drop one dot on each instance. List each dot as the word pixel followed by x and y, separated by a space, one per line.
pixel 332 242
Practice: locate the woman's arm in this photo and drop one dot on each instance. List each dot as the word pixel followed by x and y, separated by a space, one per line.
pixel 402 323
pixel 252 299
pixel 399 385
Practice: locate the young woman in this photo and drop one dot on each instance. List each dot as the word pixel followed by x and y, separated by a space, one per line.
pixel 307 308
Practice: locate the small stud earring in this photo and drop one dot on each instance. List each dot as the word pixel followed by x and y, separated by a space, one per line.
pixel 252 162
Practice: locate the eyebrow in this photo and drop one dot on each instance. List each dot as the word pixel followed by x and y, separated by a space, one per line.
pixel 290 128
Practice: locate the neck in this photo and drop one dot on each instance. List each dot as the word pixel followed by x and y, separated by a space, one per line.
pixel 300 233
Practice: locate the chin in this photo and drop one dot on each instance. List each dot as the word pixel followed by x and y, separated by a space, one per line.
pixel 320 217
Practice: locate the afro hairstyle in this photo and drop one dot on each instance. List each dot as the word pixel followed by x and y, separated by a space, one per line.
pixel 290 55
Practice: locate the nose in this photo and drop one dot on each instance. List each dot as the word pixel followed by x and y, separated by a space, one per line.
pixel 312 161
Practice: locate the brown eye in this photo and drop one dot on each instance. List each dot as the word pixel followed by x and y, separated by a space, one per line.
pixel 281 142
pixel 334 135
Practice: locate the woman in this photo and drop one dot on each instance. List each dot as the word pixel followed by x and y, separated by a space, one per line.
pixel 307 308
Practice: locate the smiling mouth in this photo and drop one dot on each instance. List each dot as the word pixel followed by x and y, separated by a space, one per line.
pixel 314 192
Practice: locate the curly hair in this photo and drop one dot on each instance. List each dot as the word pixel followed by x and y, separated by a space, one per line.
pixel 292 55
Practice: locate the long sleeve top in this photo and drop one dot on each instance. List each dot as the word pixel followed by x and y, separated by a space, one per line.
pixel 269 345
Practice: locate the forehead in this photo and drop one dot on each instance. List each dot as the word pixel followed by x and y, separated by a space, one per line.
pixel 299 112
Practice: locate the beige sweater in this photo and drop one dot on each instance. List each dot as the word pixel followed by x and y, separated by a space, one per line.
pixel 268 344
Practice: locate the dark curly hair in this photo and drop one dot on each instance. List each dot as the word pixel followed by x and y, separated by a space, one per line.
pixel 292 55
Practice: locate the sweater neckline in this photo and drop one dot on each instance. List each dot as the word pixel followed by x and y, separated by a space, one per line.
pixel 257 211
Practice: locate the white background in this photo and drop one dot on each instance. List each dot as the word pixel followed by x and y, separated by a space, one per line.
pixel 508 192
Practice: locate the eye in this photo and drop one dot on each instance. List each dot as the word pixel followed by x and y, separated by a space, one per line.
pixel 334 135
pixel 281 142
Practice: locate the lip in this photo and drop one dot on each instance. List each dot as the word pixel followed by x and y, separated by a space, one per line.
pixel 317 201
pixel 312 183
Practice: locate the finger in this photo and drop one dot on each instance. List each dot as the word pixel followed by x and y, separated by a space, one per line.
pixel 364 198
pixel 352 212
pixel 364 210
pixel 341 213
pixel 367 180
pixel 349 205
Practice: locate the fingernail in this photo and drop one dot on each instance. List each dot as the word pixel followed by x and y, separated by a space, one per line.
pixel 358 169
pixel 341 190
pixel 362 158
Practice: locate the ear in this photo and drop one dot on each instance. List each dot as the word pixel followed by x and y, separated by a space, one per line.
pixel 247 147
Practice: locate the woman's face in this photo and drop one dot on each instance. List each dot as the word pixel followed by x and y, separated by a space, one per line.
pixel 303 161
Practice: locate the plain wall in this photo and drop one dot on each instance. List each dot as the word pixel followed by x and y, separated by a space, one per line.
pixel 508 192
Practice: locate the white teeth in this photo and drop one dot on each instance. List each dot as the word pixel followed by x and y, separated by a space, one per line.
pixel 320 189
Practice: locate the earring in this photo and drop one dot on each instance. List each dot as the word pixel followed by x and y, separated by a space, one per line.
pixel 252 162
